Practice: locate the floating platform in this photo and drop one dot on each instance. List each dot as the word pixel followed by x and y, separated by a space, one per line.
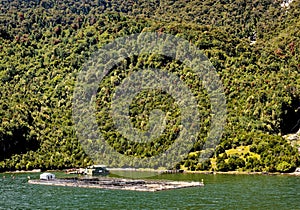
pixel 118 184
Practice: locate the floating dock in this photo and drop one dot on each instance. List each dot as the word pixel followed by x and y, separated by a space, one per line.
pixel 118 184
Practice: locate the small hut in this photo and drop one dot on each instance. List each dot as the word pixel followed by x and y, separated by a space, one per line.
pixel 96 170
pixel 47 176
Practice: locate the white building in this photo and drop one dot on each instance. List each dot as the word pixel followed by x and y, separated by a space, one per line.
pixel 47 176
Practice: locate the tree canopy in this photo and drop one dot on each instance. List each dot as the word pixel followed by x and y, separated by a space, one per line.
pixel 253 45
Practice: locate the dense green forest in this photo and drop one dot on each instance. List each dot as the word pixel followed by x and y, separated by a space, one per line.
pixel 254 46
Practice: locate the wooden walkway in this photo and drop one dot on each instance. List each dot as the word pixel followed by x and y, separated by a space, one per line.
pixel 119 184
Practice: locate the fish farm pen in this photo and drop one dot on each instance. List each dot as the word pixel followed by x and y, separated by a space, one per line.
pixel 118 184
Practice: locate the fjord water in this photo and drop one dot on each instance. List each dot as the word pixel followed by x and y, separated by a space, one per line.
pixel 219 192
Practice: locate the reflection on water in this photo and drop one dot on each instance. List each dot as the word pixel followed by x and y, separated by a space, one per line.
pixel 220 192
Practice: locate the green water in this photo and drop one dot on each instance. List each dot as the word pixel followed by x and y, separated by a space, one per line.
pixel 220 192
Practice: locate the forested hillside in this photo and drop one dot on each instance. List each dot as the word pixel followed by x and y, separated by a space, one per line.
pixel 254 46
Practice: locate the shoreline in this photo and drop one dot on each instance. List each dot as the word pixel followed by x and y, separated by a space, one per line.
pixel 243 173
pixel 23 171
pixel 160 171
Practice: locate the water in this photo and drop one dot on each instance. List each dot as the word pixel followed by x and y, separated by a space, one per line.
pixel 220 192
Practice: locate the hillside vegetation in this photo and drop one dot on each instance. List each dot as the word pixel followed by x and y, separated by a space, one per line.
pixel 254 46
